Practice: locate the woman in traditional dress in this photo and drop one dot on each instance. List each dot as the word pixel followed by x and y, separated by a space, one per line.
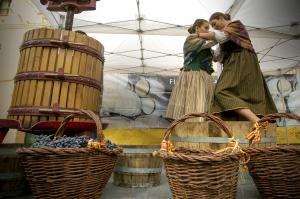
pixel 241 87
pixel 193 89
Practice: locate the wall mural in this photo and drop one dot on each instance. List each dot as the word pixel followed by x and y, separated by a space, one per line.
pixel 140 101
pixel 285 91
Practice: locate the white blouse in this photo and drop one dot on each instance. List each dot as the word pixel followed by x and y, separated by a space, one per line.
pixel 220 36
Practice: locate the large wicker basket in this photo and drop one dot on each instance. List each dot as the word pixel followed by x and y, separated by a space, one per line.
pixel 276 170
pixel 63 173
pixel 200 173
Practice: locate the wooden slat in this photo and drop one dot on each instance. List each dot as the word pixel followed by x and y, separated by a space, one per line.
pixel 90 100
pixel 80 102
pixel 65 88
pixel 56 94
pixel 75 57
pixel 54 52
pixel 94 76
pixel 69 55
pixel 32 83
pixel 37 66
pixel 38 54
pixel 94 99
pixel 88 73
pixel 25 95
pixel 27 53
pixel 19 94
pixel 30 62
pixel 15 93
pixel 21 60
pixel 79 95
pixel 49 56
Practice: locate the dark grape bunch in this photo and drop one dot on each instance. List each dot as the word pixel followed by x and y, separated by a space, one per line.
pixel 61 142
pixel 110 145
pixel 43 141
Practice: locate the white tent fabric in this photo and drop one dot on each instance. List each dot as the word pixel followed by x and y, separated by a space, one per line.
pixel 146 36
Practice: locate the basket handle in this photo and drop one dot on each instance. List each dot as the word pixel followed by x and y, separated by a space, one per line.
pixel 254 136
pixel 274 116
pixel 89 113
pixel 63 125
pixel 215 119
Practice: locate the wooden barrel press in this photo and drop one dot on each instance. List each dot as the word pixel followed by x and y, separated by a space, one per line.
pixel 59 72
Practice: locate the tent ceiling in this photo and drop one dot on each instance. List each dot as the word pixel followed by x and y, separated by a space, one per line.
pixel 146 36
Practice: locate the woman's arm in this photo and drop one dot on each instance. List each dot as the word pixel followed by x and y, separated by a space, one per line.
pixel 218 36
pixel 207 36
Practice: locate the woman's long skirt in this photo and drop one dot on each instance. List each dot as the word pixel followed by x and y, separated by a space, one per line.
pixel 193 92
pixel 242 85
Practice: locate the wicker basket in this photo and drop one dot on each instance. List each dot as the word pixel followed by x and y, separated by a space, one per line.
pixel 63 173
pixel 276 170
pixel 194 173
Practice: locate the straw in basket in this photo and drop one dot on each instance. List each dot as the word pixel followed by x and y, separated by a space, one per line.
pixel 201 173
pixel 63 173
pixel 275 170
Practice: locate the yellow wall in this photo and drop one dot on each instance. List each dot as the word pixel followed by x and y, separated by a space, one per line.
pixel 134 136
pixel 154 136
pixel 290 135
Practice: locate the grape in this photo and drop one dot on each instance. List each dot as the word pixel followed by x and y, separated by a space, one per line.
pixel 42 141
pixel 110 145
pixel 61 142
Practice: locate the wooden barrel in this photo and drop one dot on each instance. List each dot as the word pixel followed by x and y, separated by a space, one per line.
pixel 59 72
pixel 12 175
pixel 137 167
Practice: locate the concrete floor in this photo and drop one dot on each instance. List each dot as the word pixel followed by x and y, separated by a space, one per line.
pixel 246 190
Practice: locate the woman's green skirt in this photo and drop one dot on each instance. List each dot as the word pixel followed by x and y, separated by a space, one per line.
pixel 242 85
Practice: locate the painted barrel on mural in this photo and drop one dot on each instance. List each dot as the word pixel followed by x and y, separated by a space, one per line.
pixel 145 86
pixel 293 103
pixel 117 99
pixel 137 167
pixel 297 82
pixel 281 107
pixel 59 72
pixel 279 86
pixel 148 105
pixel 279 103
pixel 12 175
